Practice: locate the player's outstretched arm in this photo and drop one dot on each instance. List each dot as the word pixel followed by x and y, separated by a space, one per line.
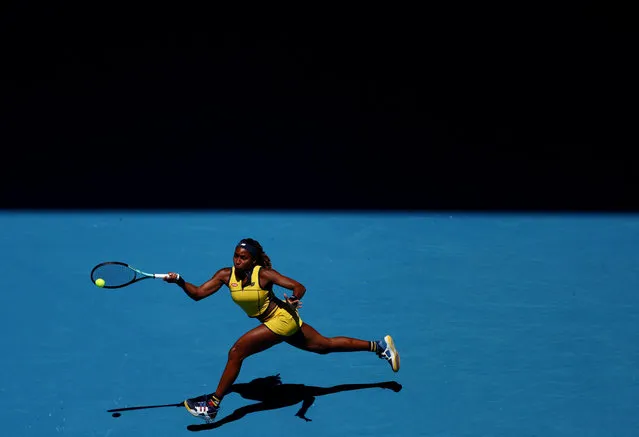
pixel 199 292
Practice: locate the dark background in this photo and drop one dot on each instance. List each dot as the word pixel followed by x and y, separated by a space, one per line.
pixel 442 107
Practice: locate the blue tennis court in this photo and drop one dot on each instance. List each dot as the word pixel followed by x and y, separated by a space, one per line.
pixel 507 324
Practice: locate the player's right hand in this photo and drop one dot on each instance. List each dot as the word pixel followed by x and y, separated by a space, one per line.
pixel 171 278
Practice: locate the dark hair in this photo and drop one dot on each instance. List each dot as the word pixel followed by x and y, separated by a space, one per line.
pixel 256 251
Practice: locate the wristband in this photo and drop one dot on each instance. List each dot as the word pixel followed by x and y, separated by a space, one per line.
pixel 293 297
pixel 180 281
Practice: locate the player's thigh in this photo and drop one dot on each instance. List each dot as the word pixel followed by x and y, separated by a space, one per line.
pixel 307 338
pixel 256 340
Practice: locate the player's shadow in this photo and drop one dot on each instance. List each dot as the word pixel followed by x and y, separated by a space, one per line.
pixel 272 394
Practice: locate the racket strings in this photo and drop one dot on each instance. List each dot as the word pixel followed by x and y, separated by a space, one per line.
pixel 114 274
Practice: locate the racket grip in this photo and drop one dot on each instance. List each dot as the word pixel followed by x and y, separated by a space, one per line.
pixel 164 275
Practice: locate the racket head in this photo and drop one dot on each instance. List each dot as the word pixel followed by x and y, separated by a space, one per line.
pixel 116 274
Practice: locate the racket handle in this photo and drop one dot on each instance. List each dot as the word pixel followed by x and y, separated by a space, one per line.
pixel 163 275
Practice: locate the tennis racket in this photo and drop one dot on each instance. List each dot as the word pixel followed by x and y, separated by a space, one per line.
pixel 118 274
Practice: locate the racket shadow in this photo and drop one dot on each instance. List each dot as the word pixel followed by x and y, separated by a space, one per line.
pixel 145 407
pixel 272 394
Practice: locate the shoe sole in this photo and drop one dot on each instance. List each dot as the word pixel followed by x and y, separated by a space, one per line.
pixel 395 359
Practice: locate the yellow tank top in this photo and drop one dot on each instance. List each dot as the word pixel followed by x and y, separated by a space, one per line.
pixel 252 299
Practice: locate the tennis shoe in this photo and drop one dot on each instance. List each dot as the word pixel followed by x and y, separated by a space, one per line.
pixel 387 351
pixel 204 407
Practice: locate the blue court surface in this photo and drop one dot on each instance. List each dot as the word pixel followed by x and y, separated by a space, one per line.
pixel 507 324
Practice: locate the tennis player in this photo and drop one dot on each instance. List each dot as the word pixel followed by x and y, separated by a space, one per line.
pixel 250 281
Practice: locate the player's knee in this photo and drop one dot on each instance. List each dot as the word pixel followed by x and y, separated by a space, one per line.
pixel 236 353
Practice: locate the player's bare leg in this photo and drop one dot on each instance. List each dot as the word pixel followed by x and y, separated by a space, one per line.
pixel 308 339
pixel 256 340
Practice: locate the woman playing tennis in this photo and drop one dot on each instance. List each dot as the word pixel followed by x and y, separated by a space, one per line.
pixel 250 281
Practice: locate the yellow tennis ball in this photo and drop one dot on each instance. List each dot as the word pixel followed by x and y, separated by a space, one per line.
pixel 99 282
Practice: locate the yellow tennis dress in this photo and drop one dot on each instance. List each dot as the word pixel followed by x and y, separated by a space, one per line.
pixel 283 320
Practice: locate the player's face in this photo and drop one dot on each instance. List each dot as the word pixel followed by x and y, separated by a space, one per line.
pixel 242 259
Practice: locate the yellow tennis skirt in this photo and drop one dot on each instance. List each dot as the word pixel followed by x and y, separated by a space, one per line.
pixel 284 321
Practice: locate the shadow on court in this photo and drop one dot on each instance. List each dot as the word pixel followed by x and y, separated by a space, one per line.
pixel 272 394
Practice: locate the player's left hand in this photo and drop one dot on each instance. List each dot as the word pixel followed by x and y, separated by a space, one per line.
pixel 293 301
